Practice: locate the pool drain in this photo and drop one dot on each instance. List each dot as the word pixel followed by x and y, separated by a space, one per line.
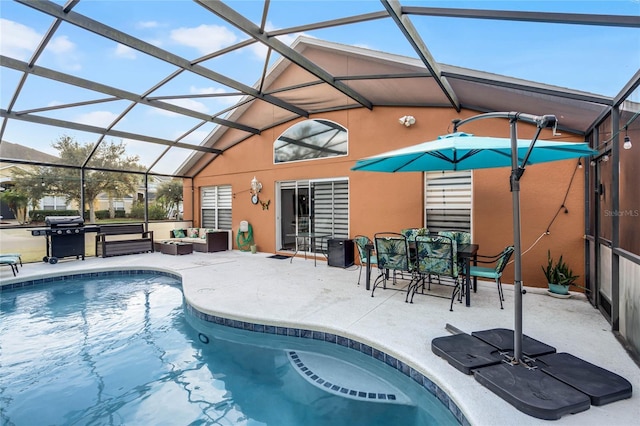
pixel 203 338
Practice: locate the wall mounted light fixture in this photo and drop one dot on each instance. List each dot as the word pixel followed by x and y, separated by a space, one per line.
pixel 407 120
pixel 627 141
pixel 256 187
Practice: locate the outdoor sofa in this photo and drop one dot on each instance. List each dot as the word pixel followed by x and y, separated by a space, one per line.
pixel 204 240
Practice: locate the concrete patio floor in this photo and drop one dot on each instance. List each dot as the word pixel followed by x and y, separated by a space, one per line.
pixel 255 288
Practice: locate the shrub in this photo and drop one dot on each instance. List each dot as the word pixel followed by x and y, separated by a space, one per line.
pixel 156 211
pixel 102 214
pixel 137 210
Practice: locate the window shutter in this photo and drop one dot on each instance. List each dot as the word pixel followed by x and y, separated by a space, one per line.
pixel 448 201
pixel 216 207
pixel 331 208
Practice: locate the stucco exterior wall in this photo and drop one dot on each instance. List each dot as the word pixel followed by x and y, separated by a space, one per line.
pixel 389 202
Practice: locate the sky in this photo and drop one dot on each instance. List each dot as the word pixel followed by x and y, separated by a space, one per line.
pixel 599 60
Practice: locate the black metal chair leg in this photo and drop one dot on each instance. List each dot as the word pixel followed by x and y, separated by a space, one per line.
pixel 377 282
pixel 457 290
pixel 453 296
pixel 415 288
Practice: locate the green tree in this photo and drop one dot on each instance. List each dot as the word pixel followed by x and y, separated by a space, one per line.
pixel 33 183
pixel 65 181
pixel 116 184
pixel 17 202
pixel 170 195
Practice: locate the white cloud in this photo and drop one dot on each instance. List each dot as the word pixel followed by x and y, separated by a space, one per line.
pixel 220 101
pixel 196 137
pixel 204 38
pixel 61 45
pixel 19 41
pixel 260 50
pixel 16 40
pixel 147 24
pixel 65 53
pixel 97 118
pixel 184 103
pixel 206 90
pixel 125 52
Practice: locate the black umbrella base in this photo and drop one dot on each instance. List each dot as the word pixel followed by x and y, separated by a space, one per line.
pixel 466 353
pixel 548 386
pixel 602 386
pixel 532 391
pixel 502 339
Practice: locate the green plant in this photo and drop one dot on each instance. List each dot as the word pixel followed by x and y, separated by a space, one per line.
pixel 558 272
pixel 17 201
pixel 156 211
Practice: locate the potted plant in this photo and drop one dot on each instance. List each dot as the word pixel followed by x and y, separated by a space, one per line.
pixel 559 275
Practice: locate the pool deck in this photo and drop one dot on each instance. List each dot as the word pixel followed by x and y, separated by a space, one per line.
pixel 254 288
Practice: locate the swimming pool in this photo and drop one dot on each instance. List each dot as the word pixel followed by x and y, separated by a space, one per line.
pixel 124 349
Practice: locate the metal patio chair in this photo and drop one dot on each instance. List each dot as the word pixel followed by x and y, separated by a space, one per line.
pixel 392 253
pixel 361 241
pixel 495 273
pixel 435 257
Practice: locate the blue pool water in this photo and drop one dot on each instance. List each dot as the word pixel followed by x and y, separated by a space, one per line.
pixel 123 349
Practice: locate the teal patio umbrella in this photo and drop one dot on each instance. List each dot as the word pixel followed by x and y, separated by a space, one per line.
pixel 463 151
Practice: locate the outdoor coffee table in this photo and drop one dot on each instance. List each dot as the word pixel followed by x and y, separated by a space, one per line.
pixel 175 248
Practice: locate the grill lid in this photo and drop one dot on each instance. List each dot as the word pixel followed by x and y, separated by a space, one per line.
pixel 57 221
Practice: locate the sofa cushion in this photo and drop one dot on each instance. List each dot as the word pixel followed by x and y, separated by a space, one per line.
pixel 204 231
pixel 193 240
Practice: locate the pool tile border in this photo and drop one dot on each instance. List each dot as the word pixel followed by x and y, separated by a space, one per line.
pixel 356 345
pixel 347 342
pixel 71 275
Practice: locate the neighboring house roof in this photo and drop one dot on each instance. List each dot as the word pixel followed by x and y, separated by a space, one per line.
pixel 15 151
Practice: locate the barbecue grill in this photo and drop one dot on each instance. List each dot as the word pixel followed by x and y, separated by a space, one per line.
pixel 65 237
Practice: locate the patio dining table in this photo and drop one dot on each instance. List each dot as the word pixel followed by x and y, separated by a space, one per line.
pixel 467 252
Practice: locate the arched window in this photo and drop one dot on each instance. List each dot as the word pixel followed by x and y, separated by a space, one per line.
pixel 310 140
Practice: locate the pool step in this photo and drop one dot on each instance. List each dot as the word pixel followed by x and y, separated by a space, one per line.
pixel 345 379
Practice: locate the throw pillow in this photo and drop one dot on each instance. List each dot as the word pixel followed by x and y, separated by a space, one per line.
pixel 179 233
pixel 193 233
pixel 203 233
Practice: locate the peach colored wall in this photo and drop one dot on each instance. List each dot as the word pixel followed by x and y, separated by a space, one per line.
pixel 390 202
pixel 542 191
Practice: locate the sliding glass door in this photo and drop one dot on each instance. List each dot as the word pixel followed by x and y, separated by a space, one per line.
pixel 318 206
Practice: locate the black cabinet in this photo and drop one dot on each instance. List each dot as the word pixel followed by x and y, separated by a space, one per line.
pixel 340 252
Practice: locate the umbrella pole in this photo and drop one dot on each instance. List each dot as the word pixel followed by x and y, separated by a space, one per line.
pixel 515 194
